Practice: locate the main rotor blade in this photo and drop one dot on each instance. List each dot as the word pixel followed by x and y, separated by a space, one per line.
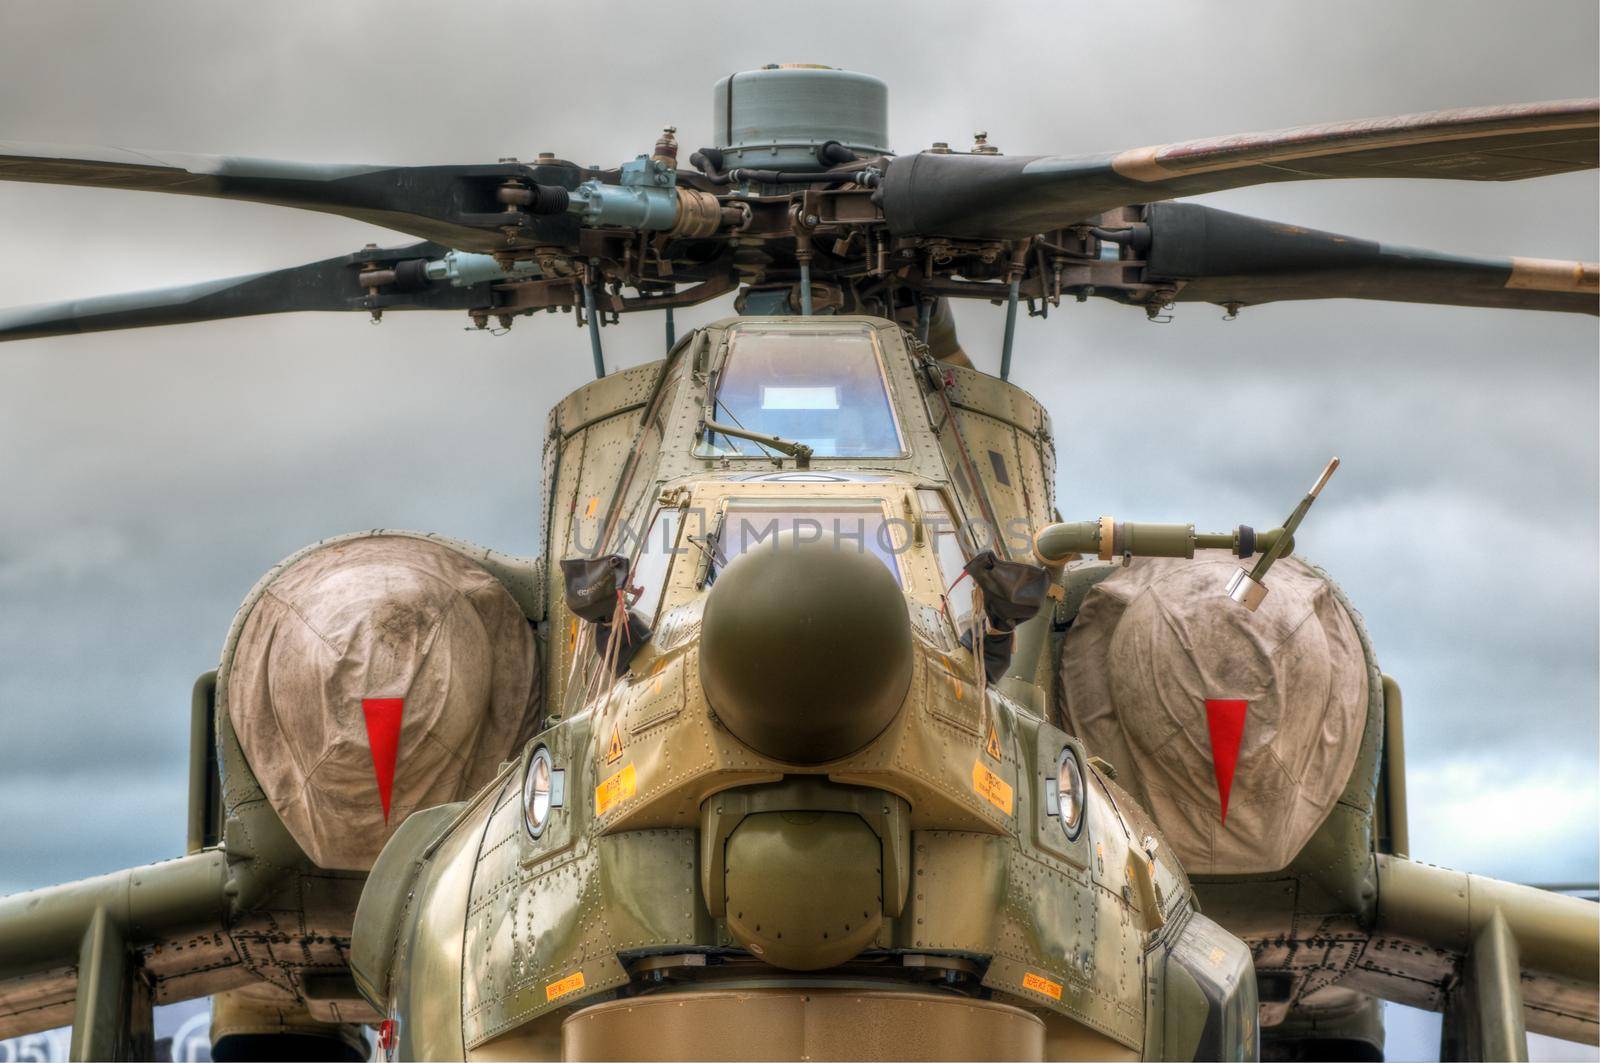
pixel 452 205
pixel 331 284
pixel 1002 197
pixel 1215 256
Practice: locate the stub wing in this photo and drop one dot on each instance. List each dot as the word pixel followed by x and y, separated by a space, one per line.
pixel 97 954
pixel 1496 957
pixel 103 946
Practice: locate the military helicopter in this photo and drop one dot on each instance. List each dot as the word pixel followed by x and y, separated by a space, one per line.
pixel 815 730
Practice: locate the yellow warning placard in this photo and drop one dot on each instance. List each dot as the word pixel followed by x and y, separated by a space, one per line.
pixel 1040 984
pixel 574 982
pixel 992 746
pixel 991 787
pixel 614 747
pixel 617 787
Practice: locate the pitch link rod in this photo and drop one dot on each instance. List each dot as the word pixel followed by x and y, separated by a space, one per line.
pixel 1056 544
pixel 594 329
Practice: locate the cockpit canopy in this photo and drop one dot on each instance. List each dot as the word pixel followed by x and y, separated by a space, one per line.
pixel 834 398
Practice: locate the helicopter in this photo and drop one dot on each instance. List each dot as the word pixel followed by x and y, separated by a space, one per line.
pixel 671 776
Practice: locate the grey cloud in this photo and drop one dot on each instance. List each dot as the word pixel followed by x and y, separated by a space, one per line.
pixel 96 820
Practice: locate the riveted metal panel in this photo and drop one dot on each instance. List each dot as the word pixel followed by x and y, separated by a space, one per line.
pixel 671 912
pixel 951 697
pixel 940 766
pixel 560 933
pixel 606 446
pixel 568 926
pixel 426 969
pixel 532 899
pixel 1052 930
pixel 958 888
pixel 606 397
pixel 988 395
pixel 994 447
pixel 662 696
pixel 1066 942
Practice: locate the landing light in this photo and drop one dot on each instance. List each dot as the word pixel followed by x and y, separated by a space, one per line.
pixel 1070 792
pixel 542 790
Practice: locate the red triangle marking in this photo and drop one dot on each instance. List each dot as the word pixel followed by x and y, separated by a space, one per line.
pixel 1225 719
pixel 383 736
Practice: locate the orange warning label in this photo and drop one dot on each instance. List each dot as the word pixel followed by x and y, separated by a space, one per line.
pixel 991 787
pixel 1040 984
pixel 614 747
pixel 617 787
pixel 574 982
pixel 992 746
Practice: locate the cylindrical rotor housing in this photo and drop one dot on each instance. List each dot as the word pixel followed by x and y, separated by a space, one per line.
pixel 778 117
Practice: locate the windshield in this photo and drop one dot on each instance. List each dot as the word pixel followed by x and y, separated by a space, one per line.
pixel 859 527
pixel 824 388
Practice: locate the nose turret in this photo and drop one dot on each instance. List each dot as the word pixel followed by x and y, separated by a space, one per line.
pixel 806 648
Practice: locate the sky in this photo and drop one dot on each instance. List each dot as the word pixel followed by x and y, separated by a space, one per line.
pixel 147 478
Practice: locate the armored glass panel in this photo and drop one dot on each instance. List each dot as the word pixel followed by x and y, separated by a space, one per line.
pixel 651 563
pixel 945 537
pixel 824 388
pixel 753 527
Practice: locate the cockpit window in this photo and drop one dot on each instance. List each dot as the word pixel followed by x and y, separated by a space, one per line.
pixel 656 551
pixel 862 527
pixel 821 387
pixel 944 534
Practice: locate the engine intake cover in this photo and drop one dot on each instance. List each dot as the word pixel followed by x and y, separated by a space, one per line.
pixel 1154 642
pixel 375 676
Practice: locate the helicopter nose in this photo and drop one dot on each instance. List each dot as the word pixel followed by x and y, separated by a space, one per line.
pixel 805 648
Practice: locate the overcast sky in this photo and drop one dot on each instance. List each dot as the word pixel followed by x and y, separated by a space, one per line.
pixel 147 478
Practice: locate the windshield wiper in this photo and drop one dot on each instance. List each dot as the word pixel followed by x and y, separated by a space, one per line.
pixel 798 451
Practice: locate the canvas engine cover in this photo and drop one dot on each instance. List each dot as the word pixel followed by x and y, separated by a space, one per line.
pixel 1154 671
pixel 373 664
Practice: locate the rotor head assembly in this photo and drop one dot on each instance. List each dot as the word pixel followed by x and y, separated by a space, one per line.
pixel 799 191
